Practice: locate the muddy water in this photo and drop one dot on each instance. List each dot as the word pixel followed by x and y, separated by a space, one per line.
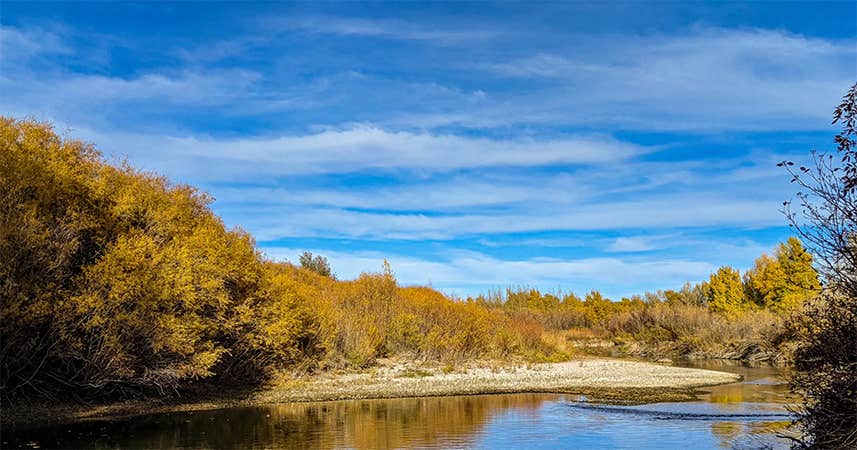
pixel 749 414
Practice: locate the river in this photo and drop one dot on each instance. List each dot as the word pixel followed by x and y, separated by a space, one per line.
pixel 749 414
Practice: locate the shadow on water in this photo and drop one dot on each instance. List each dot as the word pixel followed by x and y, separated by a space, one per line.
pixel 739 415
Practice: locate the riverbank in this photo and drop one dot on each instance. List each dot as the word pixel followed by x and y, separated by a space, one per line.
pixel 748 352
pixel 602 379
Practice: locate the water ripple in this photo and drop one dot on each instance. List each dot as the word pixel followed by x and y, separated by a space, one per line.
pixel 683 415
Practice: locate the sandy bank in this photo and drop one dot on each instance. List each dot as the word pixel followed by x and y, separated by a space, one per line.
pixel 601 379
pixel 589 376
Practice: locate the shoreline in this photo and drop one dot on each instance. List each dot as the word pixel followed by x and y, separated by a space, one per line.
pixel 599 379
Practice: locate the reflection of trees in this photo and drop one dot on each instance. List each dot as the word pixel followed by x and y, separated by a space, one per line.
pixel 729 432
pixel 369 424
pixel 734 394
pixel 761 384
pixel 402 422
pixel 729 396
pixel 726 432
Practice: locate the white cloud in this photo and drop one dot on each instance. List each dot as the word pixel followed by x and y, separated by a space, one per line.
pixel 707 79
pixel 536 242
pixel 665 211
pixel 364 148
pixel 380 28
pixel 419 199
pixel 454 193
pixel 96 93
pixel 18 45
pixel 631 244
pixel 470 273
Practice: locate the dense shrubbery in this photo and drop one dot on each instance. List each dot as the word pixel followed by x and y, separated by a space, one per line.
pixel 666 323
pixel 112 279
pixel 118 282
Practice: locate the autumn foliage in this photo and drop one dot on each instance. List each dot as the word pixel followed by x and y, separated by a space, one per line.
pixel 112 279
pixel 116 282
pixel 730 315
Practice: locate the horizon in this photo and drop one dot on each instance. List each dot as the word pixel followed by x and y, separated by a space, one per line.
pixel 551 147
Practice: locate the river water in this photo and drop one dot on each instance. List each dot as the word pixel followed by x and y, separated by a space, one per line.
pixel 749 414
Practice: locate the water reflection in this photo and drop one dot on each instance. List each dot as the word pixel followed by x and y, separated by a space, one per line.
pixel 761 384
pixel 763 388
pixel 361 424
pixel 742 415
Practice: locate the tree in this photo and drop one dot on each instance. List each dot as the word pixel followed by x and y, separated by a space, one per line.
pixel 827 199
pixel 689 294
pixel 783 282
pixel 530 299
pixel 826 359
pixel 726 291
pixel 597 308
pixel 317 264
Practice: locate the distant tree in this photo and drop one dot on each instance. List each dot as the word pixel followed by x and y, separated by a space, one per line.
pixel 689 294
pixel 783 282
pixel 315 263
pixel 530 299
pixel 571 300
pixel 595 298
pixel 763 280
pixel 726 291
pixel 826 359
pixel 598 308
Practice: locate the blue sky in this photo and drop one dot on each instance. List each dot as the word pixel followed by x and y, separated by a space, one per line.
pixel 623 147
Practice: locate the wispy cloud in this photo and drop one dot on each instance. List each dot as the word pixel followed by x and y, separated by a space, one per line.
pixel 93 92
pixel 445 187
pixel 368 147
pixel 379 28
pixel 631 244
pixel 668 211
pixel 471 273
pixel 19 46
pixel 746 79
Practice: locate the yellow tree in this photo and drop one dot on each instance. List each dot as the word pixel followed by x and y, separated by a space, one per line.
pixel 726 291
pixel 782 282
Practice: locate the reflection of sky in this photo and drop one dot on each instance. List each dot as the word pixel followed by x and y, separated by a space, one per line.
pixel 657 426
pixel 757 407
